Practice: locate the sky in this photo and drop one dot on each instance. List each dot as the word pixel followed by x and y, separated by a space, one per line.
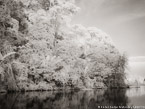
pixel 123 20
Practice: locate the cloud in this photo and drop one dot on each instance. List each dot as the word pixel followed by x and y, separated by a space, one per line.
pixel 137 59
pixel 123 20
pixel 136 69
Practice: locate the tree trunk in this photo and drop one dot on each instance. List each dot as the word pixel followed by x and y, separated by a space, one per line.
pixel 10 78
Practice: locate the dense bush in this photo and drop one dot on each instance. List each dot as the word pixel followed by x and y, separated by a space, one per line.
pixel 52 53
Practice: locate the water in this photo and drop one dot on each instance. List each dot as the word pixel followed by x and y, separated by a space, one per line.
pixel 90 99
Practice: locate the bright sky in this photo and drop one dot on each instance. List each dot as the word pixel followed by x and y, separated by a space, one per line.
pixel 123 20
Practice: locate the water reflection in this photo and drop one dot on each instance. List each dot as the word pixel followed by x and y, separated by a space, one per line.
pixel 90 99
pixel 136 96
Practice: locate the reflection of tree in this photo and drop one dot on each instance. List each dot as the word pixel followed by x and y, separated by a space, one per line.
pixel 8 102
pixel 116 97
pixel 64 100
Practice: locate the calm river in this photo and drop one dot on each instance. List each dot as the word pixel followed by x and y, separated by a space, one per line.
pixel 90 99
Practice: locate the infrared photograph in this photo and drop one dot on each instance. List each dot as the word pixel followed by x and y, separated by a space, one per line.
pixel 72 54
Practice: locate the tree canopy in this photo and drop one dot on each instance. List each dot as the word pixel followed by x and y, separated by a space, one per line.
pixel 50 52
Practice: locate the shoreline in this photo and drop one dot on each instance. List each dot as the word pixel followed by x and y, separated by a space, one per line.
pixel 63 89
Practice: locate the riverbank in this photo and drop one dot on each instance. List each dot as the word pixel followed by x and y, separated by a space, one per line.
pixel 3 89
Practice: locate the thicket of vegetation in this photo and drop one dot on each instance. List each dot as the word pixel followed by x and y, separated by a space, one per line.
pixel 40 50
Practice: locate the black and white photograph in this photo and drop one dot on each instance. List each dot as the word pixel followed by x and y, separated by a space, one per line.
pixel 72 54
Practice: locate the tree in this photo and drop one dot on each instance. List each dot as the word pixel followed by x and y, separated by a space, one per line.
pixel 12 27
pixel 56 54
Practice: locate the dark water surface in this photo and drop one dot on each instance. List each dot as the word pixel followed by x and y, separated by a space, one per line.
pixel 90 99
